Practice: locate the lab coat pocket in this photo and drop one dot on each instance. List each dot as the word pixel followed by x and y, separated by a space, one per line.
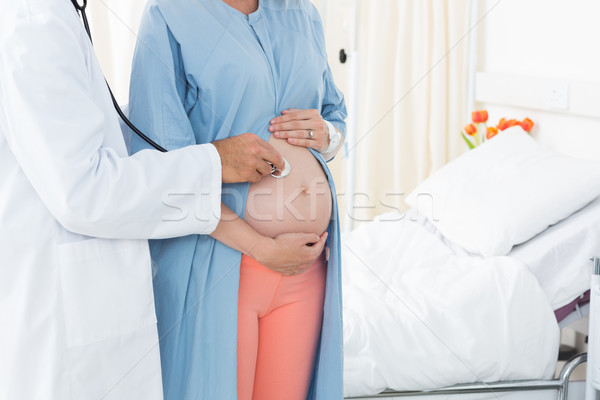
pixel 106 289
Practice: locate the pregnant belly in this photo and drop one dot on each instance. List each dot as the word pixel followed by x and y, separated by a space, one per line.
pixel 300 202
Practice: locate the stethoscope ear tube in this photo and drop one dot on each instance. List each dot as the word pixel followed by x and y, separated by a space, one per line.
pixel 81 10
pixel 79 7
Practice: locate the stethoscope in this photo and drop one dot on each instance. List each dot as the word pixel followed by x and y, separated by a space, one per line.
pixel 275 172
pixel 81 11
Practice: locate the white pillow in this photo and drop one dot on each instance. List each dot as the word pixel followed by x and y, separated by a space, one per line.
pixel 504 192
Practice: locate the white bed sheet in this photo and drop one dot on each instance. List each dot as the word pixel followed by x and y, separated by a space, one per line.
pixel 399 291
pixel 417 316
pixel 558 257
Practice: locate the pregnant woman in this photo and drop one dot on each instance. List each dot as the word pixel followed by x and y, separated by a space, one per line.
pixel 235 321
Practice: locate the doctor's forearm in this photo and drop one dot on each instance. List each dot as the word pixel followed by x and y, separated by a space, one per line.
pixel 237 234
pixel 288 253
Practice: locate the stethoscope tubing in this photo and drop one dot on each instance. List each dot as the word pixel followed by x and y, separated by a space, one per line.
pixel 81 10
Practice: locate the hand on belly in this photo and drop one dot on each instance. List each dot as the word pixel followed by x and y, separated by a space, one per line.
pixel 300 202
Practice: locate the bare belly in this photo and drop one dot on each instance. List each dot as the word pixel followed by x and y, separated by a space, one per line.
pixel 300 202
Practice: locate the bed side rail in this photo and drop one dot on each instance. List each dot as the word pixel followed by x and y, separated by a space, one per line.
pixel 561 384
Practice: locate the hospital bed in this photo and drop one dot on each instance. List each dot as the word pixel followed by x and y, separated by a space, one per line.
pixel 425 316
pixel 540 253
pixel 402 335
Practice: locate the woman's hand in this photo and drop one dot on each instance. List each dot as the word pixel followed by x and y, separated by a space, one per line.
pixel 296 125
pixel 289 253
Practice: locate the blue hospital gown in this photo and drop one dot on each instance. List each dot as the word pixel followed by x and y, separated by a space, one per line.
pixel 203 71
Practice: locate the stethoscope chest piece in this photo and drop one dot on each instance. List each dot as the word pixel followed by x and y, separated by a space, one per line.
pixel 278 174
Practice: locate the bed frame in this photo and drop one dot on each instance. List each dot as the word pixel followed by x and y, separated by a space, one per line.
pixel 561 385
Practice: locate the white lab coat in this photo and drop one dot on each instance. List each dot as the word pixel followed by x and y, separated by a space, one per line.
pixel 77 314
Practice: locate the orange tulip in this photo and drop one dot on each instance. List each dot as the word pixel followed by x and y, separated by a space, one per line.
pixel 491 132
pixel 527 125
pixel 471 130
pixel 479 116
pixel 504 124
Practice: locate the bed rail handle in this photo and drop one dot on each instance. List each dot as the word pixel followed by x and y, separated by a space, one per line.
pixel 592 373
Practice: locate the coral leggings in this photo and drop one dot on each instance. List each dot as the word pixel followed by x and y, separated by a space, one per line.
pixel 279 326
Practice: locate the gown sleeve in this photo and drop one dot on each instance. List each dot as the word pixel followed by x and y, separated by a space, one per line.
pixel 159 88
pixel 58 122
pixel 334 107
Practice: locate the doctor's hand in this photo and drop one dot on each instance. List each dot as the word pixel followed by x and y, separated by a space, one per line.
pixel 244 158
pixel 289 253
pixel 296 126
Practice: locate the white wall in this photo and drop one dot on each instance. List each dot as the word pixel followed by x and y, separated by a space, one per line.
pixel 554 38
pixel 545 38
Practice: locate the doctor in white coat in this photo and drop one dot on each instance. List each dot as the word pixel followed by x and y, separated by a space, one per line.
pixel 77 314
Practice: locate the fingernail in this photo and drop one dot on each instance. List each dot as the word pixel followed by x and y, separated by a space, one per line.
pixel 276 134
pixel 271 128
pixel 273 121
pixel 290 140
